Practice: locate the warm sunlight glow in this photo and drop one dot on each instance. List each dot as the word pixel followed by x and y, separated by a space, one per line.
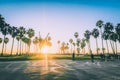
pixel 45 50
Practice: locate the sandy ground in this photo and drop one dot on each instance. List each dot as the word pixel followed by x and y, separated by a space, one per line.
pixel 59 70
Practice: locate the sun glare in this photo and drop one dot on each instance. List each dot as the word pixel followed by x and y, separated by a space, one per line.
pixel 45 50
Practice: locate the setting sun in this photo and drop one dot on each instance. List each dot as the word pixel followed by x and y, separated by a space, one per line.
pixel 45 50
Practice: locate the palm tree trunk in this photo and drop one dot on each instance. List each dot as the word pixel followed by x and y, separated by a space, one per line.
pixel 29 50
pixel 84 50
pixel 20 47
pixel 12 46
pixel 116 47
pixel 17 47
pixel 71 49
pixel 89 47
pixel 3 46
pixel 112 47
pixel 96 45
pixel 5 49
pixel 102 41
pixel 107 47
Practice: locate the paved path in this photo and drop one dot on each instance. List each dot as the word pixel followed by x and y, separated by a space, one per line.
pixel 59 70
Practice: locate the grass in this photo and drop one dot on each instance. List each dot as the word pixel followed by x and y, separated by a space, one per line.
pixel 43 56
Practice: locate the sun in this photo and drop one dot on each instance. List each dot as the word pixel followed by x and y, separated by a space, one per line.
pixel 45 50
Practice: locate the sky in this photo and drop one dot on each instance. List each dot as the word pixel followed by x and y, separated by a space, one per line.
pixel 60 18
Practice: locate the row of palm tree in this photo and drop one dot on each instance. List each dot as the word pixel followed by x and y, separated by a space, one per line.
pixel 107 33
pixel 22 35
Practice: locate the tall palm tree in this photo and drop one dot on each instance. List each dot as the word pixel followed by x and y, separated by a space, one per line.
pixel 108 30
pixel 2 22
pixel 58 42
pixel 13 32
pixel 78 45
pixel 6 40
pixel 83 44
pixel 100 24
pixel 105 36
pixel 63 47
pixel 87 36
pixel 30 33
pixel 76 36
pixel 114 37
pixel 1 40
pixel 22 32
pixel 74 46
pixel 18 39
pixel 4 31
pixel 95 34
pixel 117 29
pixel 71 42
pixel 35 42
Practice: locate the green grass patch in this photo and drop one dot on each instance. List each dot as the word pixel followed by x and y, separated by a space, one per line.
pixel 43 56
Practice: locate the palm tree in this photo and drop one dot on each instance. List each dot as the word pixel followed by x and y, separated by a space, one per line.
pixel 71 42
pixel 4 31
pixel 108 29
pixel 83 44
pixel 114 37
pixel 100 25
pixel 117 29
pixel 74 46
pixel 30 33
pixel 6 40
pixel 76 36
pixel 18 39
pixel 95 34
pixel 58 42
pixel 13 32
pixel 0 40
pixel 63 47
pixel 35 42
pixel 87 36
pixel 105 36
pixel 21 33
pixel 2 22
pixel 78 45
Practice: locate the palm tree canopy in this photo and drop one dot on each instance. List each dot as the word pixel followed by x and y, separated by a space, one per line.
pixel 4 29
pixel 49 38
pixel 117 29
pixel 95 33
pixel 13 31
pixel 58 42
pixel 71 41
pixel 105 35
pixel 113 36
pixel 76 34
pixel 83 44
pixel 36 40
pixel 30 33
pixel 87 34
pixel 73 44
pixel 6 40
pixel 22 31
pixel 108 27
pixel 18 37
pixel 2 22
pixel 99 23
pixel 0 40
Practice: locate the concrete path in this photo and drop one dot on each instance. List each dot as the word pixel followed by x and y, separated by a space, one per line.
pixel 59 70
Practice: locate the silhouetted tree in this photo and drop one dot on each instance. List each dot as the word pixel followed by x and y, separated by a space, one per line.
pixel 95 34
